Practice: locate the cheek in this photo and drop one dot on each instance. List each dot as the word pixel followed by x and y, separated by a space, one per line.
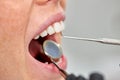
pixel 14 16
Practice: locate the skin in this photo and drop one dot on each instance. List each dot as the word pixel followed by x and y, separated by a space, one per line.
pixel 17 19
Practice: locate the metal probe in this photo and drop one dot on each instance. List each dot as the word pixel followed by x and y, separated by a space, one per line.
pixel 62 72
pixel 100 40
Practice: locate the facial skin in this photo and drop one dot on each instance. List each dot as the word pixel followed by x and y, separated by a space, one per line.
pixel 18 20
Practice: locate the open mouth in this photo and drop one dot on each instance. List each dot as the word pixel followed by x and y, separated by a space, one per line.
pixel 53 32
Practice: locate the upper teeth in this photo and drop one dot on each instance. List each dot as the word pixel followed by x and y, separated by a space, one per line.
pixel 55 28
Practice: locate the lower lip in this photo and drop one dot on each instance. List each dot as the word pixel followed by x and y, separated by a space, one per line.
pixel 36 65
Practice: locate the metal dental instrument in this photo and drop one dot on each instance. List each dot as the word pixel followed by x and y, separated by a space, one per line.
pixel 100 40
pixel 52 49
pixel 62 72
pixel 54 52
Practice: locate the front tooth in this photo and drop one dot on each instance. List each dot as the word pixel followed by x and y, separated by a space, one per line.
pixel 62 25
pixel 57 27
pixel 43 34
pixel 50 30
pixel 36 37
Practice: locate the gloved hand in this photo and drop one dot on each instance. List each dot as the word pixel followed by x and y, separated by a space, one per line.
pixel 73 77
pixel 96 76
pixel 93 76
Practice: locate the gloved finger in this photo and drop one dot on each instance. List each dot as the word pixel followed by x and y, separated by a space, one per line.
pixel 80 78
pixel 71 77
pixel 96 76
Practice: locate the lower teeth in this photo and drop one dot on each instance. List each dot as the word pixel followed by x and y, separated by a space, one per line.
pixel 46 62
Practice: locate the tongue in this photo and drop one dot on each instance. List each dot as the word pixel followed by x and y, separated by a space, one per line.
pixel 35 48
pixel 37 52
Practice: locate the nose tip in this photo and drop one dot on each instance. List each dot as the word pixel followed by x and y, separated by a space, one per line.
pixel 63 4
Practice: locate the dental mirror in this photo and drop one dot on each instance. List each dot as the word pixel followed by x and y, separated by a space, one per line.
pixel 52 50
